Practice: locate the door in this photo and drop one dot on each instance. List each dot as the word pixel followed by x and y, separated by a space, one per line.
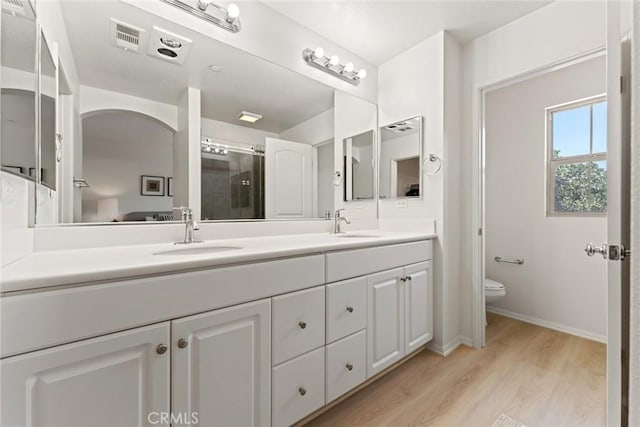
pixel 418 297
pixel 385 320
pixel 221 366
pixel 115 380
pixel 618 217
pixel 288 179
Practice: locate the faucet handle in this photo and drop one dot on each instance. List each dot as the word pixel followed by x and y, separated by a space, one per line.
pixel 185 212
pixel 338 212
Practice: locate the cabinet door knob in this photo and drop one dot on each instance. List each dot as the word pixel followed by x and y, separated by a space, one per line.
pixel 161 349
pixel 302 325
pixel 408 277
pixel 349 367
pixel 302 391
pixel 350 309
pixel 182 343
pixel 403 279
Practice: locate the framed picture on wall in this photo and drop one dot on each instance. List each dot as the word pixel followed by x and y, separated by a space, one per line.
pixel 170 186
pixel 152 185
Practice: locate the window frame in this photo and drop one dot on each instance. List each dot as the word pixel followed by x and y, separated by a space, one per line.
pixel 552 164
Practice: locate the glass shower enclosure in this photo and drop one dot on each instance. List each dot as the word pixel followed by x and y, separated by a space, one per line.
pixel 232 180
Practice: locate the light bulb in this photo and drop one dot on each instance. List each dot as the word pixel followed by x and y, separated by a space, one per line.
pixel 362 74
pixel 203 4
pixel 334 60
pixel 233 11
pixel 318 52
pixel 348 68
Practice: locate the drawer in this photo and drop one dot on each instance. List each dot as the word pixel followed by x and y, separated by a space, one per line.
pixel 358 262
pixel 346 308
pixel 298 323
pixel 346 364
pixel 297 388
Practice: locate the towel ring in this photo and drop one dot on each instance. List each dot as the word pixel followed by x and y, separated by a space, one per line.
pixel 337 178
pixel 433 158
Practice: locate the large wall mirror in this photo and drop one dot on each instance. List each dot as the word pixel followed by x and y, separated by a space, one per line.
pixel 18 92
pixel 401 159
pixel 162 116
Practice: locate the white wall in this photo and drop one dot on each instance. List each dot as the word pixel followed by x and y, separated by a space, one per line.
pixel 429 86
pixel 16 194
pixel 325 187
pixel 313 131
pixel 230 132
pixel 544 37
pixel 186 152
pixel 557 284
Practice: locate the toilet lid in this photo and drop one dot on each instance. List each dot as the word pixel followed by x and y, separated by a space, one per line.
pixel 493 285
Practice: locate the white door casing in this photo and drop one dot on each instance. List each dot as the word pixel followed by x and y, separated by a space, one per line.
pixel 288 179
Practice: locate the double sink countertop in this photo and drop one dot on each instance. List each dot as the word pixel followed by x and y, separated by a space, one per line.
pixel 82 266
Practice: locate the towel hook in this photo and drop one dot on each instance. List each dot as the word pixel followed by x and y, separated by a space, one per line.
pixel 433 158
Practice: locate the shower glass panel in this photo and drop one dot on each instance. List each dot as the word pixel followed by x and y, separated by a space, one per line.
pixel 232 185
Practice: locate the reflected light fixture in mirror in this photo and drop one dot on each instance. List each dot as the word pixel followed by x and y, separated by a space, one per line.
pixel 315 58
pixel 227 18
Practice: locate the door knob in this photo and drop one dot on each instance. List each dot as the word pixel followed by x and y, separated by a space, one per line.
pixel 302 391
pixel 161 348
pixel 302 325
pixel 349 366
pixel 350 309
pixel 182 343
pixel 591 250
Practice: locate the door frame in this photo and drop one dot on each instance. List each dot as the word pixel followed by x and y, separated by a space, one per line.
pixel 478 185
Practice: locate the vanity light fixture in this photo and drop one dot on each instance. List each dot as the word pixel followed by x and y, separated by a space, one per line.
pixel 214 148
pixel 227 18
pixel 315 58
pixel 246 116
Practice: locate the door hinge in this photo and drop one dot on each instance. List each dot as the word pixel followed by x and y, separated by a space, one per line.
pixel 618 252
pixel 479 231
pixel 621 84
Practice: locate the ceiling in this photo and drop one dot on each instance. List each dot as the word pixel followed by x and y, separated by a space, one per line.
pixel 246 83
pixel 379 30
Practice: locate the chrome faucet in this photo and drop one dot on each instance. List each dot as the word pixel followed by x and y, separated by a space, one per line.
pixel 339 219
pixel 190 226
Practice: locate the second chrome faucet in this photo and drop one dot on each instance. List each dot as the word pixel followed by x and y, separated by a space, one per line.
pixel 339 219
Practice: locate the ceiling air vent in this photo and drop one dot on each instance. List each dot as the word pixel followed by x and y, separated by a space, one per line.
pixel 18 7
pixel 400 127
pixel 125 36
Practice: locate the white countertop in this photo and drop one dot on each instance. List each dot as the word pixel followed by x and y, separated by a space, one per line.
pixel 67 267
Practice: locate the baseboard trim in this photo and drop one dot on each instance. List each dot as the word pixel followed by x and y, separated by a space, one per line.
pixel 550 325
pixel 450 347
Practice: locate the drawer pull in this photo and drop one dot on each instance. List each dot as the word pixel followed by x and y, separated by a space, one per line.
pixel 302 391
pixel 182 343
pixel 161 349
pixel 302 325
pixel 350 309
pixel 349 367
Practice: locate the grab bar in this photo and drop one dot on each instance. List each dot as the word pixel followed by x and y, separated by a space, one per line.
pixel 518 261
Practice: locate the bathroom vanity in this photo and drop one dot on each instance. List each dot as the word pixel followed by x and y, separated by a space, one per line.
pixel 264 332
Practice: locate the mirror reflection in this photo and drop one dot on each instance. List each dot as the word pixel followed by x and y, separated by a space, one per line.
pixel 359 166
pixel 209 126
pixel 18 92
pixel 401 159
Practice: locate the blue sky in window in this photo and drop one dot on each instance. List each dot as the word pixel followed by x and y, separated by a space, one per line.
pixel 571 130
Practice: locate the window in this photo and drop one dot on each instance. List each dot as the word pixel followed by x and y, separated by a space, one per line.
pixel 577 158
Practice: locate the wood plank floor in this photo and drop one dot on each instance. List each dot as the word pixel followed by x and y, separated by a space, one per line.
pixel 538 376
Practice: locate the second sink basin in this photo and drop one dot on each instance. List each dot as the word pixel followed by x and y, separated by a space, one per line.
pixel 197 250
pixel 357 235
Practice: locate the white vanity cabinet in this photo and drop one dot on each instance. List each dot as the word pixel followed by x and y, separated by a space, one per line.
pixel 113 380
pixel 400 314
pixel 220 365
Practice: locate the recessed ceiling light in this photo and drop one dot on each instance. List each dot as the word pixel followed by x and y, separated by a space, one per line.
pixel 215 68
pixel 249 117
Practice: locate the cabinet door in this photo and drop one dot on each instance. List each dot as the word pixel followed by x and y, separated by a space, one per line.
pixel 222 368
pixel 385 320
pixel 115 380
pixel 418 297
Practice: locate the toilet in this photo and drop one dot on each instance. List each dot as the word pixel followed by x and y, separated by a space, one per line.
pixel 493 291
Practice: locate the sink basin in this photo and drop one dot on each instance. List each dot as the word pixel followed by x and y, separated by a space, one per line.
pixel 357 236
pixel 198 250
